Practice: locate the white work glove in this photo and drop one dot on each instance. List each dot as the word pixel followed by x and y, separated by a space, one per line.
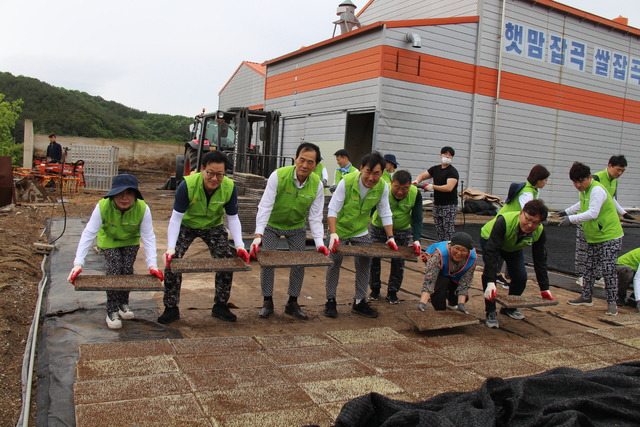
pixel 391 242
pixel 547 295
pixel 427 187
pixel 490 292
pixel 416 247
pixel 255 247
pixel 168 256
pixel 334 242
pixel 75 271
pixel 155 272
pixel 242 253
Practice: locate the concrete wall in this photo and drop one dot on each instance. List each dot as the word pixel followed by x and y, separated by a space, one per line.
pixel 132 155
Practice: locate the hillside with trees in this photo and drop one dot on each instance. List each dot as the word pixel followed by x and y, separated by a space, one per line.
pixel 75 113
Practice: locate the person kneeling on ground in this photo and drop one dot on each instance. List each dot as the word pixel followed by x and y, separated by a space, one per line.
pixel 119 221
pixel 449 273
pixel 505 236
pixel 628 277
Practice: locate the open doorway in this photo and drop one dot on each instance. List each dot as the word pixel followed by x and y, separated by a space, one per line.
pixel 358 140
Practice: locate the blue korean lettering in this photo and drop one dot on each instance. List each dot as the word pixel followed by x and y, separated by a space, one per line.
pixel 577 55
pixel 557 50
pixel 513 34
pixel 620 64
pixel 535 44
pixel 601 62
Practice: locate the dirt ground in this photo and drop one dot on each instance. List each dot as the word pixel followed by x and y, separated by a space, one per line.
pixel 20 274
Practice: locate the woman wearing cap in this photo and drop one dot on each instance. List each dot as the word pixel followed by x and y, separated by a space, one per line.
pixel 449 273
pixel 119 221
pixel 390 168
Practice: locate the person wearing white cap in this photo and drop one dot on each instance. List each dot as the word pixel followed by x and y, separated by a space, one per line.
pixel 119 221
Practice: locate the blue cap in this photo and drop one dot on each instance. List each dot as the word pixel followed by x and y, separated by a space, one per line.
pixel 124 182
pixel 391 158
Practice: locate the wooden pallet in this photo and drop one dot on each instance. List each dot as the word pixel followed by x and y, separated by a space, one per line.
pixel 379 250
pixel 134 282
pixel 432 320
pixel 521 301
pixel 207 265
pixel 286 259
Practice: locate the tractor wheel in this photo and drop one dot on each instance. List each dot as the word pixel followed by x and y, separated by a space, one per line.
pixel 179 168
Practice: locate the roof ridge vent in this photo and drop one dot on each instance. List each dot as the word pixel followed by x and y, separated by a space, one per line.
pixel 346 17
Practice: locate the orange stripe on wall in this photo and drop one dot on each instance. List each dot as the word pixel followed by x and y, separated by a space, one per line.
pixel 404 65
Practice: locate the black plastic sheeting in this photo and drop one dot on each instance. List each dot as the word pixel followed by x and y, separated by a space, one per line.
pixel 70 318
pixel 558 397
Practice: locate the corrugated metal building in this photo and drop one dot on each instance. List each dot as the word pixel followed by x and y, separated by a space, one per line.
pixel 568 85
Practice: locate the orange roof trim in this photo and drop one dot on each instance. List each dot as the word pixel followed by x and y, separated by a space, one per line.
pixel 586 15
pixel 375 26
pixel 258 68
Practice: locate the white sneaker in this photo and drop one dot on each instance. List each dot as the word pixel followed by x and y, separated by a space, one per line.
pixel 579 281
pixel 125 312
pixel 599 283
pixel 113 321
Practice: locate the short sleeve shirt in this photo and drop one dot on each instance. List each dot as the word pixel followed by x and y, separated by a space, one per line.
pixel 440 176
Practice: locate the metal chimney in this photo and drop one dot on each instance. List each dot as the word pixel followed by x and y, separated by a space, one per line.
pixel 347 17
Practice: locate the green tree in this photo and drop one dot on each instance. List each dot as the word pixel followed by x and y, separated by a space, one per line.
pixel 9 113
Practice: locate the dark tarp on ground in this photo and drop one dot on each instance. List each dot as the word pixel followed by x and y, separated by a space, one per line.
pixel 559 397
pixel 71 318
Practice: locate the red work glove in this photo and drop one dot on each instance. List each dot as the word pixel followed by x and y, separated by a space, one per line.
pixel 75 271
pixel 547 295
pixel 490 292
pixel 255 247
pixel 334 242
pixel 155 272
pixel 243 254
pixel 427 187
pixel 323 250
pixel 168 256
pixel 416 247
pixel 391 242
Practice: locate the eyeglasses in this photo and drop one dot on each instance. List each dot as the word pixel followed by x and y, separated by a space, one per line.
pixel 212 174
pixel 529 221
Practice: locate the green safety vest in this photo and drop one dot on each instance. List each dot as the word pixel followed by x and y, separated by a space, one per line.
pixel 318 170
pixel 514 204
pixel 611 185
pixel 339 175
pixel 386 177
pixel 510 243
pixel 119 228
pixel 353 218
pixel 291 206
pixel 401 210
pixel 199 214
pixel 631 259
pixel 607 225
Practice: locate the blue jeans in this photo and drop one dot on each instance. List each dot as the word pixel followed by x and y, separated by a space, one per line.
pixel 517 271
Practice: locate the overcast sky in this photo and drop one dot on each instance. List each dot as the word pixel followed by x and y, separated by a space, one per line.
pixel 172 56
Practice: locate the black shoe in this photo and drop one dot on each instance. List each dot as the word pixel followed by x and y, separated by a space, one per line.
pixel 363 309
pixel 222 312
pixel 171 314
pixel 330 308
pixel 374 295
pixel 392 297
pixel 266 310
pixel 293 308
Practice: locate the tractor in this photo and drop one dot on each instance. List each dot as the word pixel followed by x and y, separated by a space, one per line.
pixel 249 137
